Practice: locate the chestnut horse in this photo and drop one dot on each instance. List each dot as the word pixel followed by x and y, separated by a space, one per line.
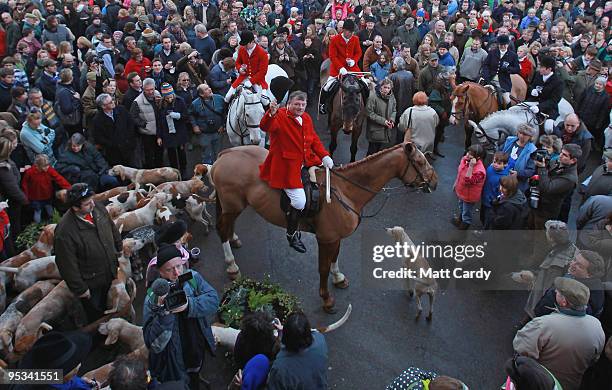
pixel 236 179
pixel 472 101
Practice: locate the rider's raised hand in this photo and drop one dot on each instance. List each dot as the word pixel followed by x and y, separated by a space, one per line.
pixel 273 108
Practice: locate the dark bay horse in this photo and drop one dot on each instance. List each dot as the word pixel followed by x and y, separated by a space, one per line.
pixel 347 112
pixel 235 175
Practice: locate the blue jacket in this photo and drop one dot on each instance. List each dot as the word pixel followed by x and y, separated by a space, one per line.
pixel 306 369
pixel 490 191
pixel 38 141
pixel 200 115
pixel 423 29
pixel 161 329
pixel 218 79
pixel 527 20
pixel 524 164
pixel 379 72
pixel 447 60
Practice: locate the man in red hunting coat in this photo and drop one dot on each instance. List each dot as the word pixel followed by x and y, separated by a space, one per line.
pixel 251 64
pixel 344 54
pixel 293 144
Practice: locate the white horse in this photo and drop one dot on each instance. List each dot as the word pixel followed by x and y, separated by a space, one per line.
pixel 496 127
pixel 246 111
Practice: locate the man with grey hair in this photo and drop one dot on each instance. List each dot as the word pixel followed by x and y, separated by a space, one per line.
pixel 113 131
pixel 567 341
pixel 292 132
pixel 144 112
pixel 403 89
pixel 203 43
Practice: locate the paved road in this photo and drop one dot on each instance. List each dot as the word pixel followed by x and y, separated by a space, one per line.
pixel 471 333
pixel 470 336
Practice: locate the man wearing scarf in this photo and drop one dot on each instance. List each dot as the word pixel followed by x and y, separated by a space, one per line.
pixel 567 341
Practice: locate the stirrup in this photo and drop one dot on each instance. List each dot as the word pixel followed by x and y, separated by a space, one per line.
pixel 295 242
pixel 322 109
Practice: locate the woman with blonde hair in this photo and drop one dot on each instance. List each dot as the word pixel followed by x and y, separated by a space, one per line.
pixel 418 123
pixel 64 47
pixel 534 50
pixel 329 33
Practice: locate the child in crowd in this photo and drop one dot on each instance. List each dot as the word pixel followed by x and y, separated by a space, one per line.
pixel 490 191
pixel 4 228
pixel 553 145
pixel 37 184
pixel 471 175
pixel 380 69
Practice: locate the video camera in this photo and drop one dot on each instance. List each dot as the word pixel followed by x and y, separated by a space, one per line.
pixel 176 296
pixel 540 155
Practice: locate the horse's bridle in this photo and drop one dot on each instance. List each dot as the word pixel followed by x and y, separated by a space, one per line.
pixel 465 113
pixel 244 117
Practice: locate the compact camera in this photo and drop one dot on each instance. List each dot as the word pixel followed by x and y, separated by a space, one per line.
pixel 539 155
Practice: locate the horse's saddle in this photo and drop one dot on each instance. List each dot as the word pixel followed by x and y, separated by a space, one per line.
pixel 313 194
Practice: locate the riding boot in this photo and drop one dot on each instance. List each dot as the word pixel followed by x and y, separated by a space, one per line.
pixel 293 235
pixel 323 102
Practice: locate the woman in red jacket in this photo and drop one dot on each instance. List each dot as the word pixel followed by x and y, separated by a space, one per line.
pixel 4 228
pixel 37 184
pixel 139 64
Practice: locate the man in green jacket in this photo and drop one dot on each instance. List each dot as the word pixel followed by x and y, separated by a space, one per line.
pixel 86 247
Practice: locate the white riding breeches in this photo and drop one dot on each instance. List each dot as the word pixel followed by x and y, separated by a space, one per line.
pixel 247 83
pixel 329 83
pixel 297 196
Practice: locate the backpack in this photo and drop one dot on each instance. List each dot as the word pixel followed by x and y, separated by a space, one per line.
pixel 72 119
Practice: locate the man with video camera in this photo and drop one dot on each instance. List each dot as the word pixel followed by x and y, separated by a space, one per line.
pixel 554 182
pixel 177 314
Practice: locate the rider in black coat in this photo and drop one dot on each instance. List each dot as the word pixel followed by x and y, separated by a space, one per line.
pixel 546 88
pixel 501 66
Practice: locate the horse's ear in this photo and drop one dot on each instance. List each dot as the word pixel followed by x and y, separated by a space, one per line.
pixel 409 148
pixel 467 87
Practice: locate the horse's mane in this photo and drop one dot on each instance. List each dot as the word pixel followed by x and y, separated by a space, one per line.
pixel 371 157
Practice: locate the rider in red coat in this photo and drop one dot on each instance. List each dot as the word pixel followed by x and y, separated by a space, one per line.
pixel 293 144
pixel 344 54
pixel 251 64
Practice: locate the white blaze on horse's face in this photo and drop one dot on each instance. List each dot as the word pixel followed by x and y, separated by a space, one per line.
pixel 253 113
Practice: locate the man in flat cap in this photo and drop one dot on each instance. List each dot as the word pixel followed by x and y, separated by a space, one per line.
pixel 567 341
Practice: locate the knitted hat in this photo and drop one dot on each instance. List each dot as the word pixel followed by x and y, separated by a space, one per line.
pixel 421 13
pixel 118 34
pixel 166 253
pixel 166 89
pixel 601 79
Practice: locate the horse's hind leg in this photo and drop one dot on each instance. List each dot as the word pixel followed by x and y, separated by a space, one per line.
pixel 333 143
pixel 469 131
pixel 432 296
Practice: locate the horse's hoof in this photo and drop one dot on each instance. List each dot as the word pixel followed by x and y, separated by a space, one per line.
pixel 236 243
pixel 428 318
pixel 233 275
pixel 343 284
pixel 418 315
pixel 330 309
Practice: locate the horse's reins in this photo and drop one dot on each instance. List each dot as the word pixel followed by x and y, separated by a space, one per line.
pixel 244 119
pixel 386 190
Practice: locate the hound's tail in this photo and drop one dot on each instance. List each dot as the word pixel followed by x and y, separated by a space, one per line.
pixel 9 270
pixel 339 323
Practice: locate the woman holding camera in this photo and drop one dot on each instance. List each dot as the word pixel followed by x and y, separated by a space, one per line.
pixel 37 138
pixel 520 148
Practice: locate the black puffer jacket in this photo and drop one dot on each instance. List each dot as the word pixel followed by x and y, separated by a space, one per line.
pixel 508 214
